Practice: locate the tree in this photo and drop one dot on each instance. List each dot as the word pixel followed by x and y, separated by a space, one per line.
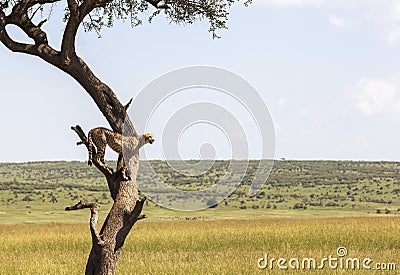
pixel 93 15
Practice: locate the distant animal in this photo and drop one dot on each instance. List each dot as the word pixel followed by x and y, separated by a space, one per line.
pixel 101 137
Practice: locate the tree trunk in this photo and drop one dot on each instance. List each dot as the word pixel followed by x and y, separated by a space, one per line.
pixel 107 244
pixel 104 256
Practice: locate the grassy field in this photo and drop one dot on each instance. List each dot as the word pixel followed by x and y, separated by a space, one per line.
pixel 204 246
pixel 307 209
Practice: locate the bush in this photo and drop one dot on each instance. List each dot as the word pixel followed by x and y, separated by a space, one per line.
pixel 212 203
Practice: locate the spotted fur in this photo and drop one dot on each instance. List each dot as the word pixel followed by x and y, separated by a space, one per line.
pixel 101 137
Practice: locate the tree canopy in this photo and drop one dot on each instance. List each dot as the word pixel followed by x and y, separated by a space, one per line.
pixel 96 14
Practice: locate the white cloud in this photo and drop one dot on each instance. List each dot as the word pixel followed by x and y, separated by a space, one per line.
pixel 378 96
pixel 339 22
pixel 393 36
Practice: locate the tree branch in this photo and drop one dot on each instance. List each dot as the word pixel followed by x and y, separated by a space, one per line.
pixel 68 41
pixel 34 13
pixel 76 15
pixel 13 45
pixel 72 6
pixel 129 221
pixel 128 104
pixel 41 23
pixel 19 17
pixel 94 218
pixel 135 215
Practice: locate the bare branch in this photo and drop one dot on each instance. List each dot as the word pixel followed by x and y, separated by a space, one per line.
pixel 128 104
pixel 81 205
pixel 94 218
pixel 41 23
pixel 81 134
pixel 34 13
pixel 135 215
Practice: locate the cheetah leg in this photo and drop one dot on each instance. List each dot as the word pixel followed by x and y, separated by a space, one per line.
pixel 101 150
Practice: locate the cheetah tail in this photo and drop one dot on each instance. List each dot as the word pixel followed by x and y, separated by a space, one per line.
pixel 90 146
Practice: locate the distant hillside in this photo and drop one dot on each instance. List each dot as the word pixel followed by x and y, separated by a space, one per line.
pixel 372 187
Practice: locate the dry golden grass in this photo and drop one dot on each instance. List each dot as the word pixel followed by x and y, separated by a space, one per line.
pixel 202 247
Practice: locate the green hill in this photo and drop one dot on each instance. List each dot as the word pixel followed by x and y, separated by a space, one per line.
pixel 41 190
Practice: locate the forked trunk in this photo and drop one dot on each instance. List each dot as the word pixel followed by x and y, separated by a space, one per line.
pixel 104 255
pixel 107 244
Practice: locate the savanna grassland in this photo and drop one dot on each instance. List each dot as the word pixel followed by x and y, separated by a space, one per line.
pixel 306 209
pixel 203 246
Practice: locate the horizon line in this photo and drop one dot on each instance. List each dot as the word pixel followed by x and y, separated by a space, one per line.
pixel 276 159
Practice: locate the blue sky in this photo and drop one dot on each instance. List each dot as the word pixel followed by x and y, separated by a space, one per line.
pixel 329 72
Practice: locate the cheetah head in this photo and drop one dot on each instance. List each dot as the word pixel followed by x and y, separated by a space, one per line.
pixel 148 138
